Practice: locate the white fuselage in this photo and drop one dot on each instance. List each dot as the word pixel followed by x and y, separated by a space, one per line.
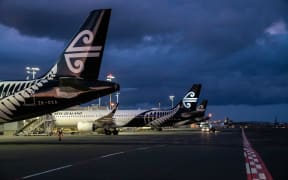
pixel 71 118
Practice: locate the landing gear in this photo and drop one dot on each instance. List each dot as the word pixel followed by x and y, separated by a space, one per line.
pixel 115 132
pixel 156 128
pixel 109 132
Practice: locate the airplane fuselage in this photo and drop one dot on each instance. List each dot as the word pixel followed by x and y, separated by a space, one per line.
pixel 26 99
pixel 121 118
pixel 71 118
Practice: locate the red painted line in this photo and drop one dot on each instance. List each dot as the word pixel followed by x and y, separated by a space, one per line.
pixel 255 166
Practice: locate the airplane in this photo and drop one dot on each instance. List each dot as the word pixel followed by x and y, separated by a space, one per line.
pixel 82 118
pixel 88 121
pixel 194 116
pixel 71 81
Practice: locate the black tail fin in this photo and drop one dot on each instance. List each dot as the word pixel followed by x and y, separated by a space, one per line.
pixel 83 55
pixel 203 105
pixel 189 102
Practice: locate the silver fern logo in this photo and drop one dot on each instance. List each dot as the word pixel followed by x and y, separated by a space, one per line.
pixel 157 118
pixel 17 92
pixel 189 99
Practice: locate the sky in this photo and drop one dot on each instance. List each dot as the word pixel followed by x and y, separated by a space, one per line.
pixel 237 50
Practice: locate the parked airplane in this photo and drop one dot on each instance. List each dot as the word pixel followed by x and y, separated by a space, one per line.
pixel 194 116
pixel 91 120
pixel 71 81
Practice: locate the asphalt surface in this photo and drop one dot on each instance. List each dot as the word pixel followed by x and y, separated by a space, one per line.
pixel 272 146
pixel 180 154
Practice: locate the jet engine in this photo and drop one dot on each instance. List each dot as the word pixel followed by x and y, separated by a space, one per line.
pixel 85 127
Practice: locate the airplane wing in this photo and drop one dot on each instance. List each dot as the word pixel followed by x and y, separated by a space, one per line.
pixel 106 120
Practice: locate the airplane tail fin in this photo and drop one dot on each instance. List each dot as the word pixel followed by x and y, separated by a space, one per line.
pixel 201 109
pixel 83 55
pixel 189 102
pixel 202 106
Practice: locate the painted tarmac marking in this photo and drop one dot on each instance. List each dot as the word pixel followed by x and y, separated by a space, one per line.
pixel 142 148
pixel 255 166
pixel 88 161
pixel 113 154
pixel 45 172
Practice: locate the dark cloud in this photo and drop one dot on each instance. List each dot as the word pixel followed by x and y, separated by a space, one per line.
pixel 156 49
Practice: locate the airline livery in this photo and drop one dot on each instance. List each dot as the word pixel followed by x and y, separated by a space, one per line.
pixel 194 116
pixel 71 81
pixel 159 118
pixel 91 120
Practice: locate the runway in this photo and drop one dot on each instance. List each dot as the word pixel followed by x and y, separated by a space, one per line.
pixel 181 154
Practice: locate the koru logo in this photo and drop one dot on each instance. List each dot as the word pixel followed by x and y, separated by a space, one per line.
pixel 78 53
pixel 81 48
pixel 189 99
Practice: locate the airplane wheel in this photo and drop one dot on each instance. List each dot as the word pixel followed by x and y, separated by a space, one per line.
pixel 115 132
pixel 107 132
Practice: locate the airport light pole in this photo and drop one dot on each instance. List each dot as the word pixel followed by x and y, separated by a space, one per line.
pixel 99 102
pixel 117 97
pixel 172 100
pixel 109 78
pixel 33 71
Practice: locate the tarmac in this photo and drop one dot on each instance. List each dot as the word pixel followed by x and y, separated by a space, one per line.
pixel 169 154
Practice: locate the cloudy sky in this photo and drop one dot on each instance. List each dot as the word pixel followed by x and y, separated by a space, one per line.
pixel 237 49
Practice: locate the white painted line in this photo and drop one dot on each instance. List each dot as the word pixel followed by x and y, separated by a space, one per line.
pixel 113 154
pixel 247 168
pixel 254 170
pixel 86 161
pixel 150 147
pixel 262 176
pixel 45 172
pixel 258 166
pixel 143 148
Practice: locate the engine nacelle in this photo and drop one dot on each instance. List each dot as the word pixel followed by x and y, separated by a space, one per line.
pixel 85 127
